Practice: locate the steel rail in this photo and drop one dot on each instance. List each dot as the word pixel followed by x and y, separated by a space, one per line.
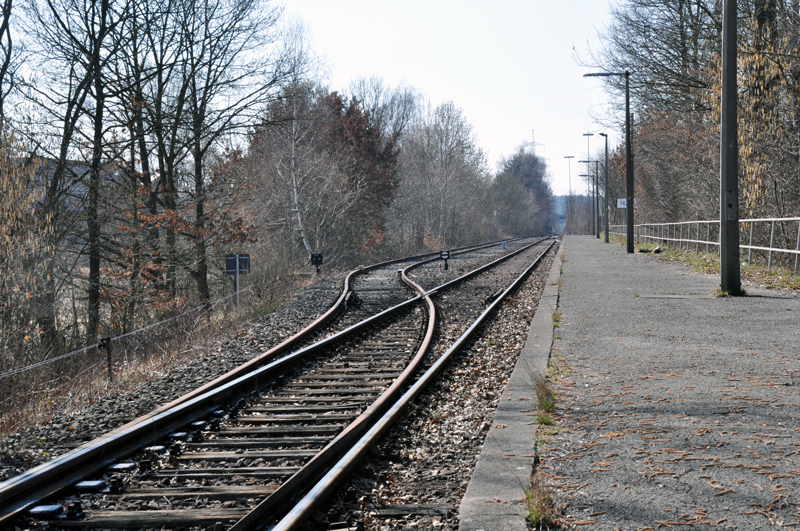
pixel 342 442
pixel 22 492
pixel 298 515
pixel 303 334
pixel 339 446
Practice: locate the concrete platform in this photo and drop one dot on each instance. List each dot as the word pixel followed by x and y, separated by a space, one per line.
pixel 681 409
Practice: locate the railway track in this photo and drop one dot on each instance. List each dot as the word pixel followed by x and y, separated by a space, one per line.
pixel 236 453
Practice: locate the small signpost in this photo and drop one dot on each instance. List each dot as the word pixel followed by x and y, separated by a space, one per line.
pixel 445 255
pixel 316 260
pixel 622 203
pixel 237 264
pixel 505 246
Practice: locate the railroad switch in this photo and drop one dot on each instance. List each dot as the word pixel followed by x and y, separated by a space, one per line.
pixel 352 300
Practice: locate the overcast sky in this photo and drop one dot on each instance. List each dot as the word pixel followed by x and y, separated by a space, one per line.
pixel 508 64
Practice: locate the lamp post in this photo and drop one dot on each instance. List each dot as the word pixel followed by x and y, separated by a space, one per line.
pixel 590 185
pixel 568 216
pixel 597 198
pixel 593 196
pixel 628 152
pixel 605 194
pixel 589 182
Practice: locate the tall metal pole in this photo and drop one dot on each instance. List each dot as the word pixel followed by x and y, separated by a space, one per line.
pixel 628 153
pixel 628 163
pixel 589 183
pixel 569 172
pixel 597 195
pixel 605 195
pixel 569 197
pixel 587 177
pixel 238 306
pixel 730 279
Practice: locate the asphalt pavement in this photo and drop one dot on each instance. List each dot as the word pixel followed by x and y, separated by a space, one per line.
pixel 679 409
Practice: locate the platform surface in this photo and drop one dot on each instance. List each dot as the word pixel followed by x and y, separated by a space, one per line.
pixel 681 408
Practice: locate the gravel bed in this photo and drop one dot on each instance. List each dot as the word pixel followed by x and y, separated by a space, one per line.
pixel 69 428
pixel 416 477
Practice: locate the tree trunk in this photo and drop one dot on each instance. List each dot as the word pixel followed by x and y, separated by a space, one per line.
pixel 201 265
pixel 295 192
pixel 94 184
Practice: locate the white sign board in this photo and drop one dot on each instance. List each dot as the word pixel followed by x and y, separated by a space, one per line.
pixel 622 203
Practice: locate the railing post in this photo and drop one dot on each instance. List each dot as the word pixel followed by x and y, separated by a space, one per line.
pixel 697 241
pixel 797 248
pixel 686 237
pixel 680 237
pixel 106 342
pixel 771 239
pixel 750 251
pixel 708 235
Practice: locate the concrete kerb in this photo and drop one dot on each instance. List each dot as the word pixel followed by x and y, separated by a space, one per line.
pixel 494 496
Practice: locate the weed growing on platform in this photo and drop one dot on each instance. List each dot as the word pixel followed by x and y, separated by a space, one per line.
pixel 545 397
pixel 539 504
pixel 557 318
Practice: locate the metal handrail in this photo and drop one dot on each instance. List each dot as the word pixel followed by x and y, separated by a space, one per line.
pixel 655 232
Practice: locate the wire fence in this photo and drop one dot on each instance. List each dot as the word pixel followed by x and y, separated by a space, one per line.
pixel 767 241
pixel 129 345
pixel 27 392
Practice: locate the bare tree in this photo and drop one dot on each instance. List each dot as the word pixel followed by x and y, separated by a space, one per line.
pixel 444 181
pixel 391 109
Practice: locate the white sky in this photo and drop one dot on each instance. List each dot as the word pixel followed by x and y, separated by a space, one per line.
pixel 508 64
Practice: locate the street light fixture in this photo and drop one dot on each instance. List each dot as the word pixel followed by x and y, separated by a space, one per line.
pixel 569 172
pixel 605 195
pixel 628 152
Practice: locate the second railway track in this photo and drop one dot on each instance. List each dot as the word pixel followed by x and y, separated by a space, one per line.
pixel 260 439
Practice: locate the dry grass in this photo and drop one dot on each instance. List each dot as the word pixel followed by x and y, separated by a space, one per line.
pixel 34 397
pixel 542 512
pixel 545 396
pixel 776 277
